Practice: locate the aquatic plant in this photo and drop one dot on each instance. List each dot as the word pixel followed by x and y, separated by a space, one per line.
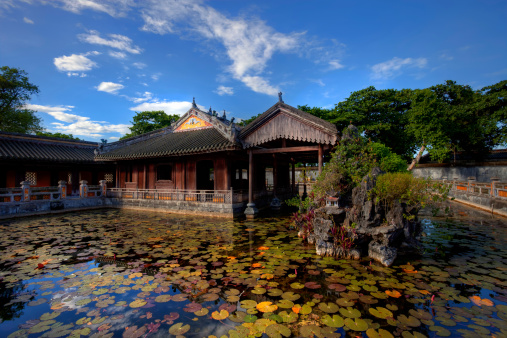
pixel 343 237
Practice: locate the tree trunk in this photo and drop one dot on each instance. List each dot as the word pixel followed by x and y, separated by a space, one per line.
pixel 417 158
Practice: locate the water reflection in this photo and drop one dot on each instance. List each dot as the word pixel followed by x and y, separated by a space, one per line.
pixel 124 273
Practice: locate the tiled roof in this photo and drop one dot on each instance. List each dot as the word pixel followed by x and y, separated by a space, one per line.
pixel 172 144
pixel 15 146
pixel 299 114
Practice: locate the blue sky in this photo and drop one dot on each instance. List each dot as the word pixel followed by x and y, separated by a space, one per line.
pixel 97 62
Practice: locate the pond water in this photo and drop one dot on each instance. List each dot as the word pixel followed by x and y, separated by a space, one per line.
pixel 117 273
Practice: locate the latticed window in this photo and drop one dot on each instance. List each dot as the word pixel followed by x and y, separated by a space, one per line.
pixel 31 177
pixel 108 178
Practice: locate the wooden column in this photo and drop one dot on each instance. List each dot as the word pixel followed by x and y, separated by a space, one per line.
pixel 144 177
pixel 294 177
pixel 250 176
pixel 275 174
pixel 117 178
pixel 321 155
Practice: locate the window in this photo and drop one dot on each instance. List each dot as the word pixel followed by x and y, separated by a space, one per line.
pixel 108 178
pixel 31 177
pixel 164 172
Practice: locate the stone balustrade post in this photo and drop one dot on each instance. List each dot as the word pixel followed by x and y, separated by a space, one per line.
pixel 494 183
pixel 83 189
pixel 62 189
pixel 26 190
pixel 471 180
pixel 103 187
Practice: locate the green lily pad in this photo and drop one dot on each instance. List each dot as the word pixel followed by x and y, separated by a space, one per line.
pixel 138 303
pixel 179 329
pixel 310 331
pixel 334 321
pixel 285 304
pixel 288 317
pixel 356 324
pixel 381 333
pixel 328 307
pixel 350 312
pixel 381 312
pixel 277 331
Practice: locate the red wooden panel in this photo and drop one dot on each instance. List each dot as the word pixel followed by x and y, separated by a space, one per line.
pixel 190 180
pixel 220 174
pixel 152 176
pixel 10 182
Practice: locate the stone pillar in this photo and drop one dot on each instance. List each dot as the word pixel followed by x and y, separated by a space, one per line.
pixel 471 181
pixel 62 189
pixel 83 189
pixel 494 183
pixel 25 190
pixel 103 187
pixel 250 211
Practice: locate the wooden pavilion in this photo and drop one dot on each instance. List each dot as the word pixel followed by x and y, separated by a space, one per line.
pixel 206 152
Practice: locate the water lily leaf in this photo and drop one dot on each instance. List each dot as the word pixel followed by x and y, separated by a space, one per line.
pixel 334 321
pixel 163 298
pixel 381 312
pixel 277 331
pixel 202 312
pixel 310 331
pixel 421 314
pixel 179 329
pixel 356 324
pixel 297 285
pixel 180 297
pixel 275 292
pixel 276 318
pixel 344 302
pixel 238 316
pixel 49 315
pixel 192 307
pixel 350 312
pixel 480 302
pixel 285 304
pixel 290 317
pixel 381 333
pixel 311 285
pixel 210 297
pixel 220 315
pixel 266 307
pixel 306 309
pixel 250 318
pixel 440 331
pixel 408 321
pixel 393 293
pixel 379 295
pixel 290 296
pixel 259 291
pixel 134 332
pixel 232 299
pixel 328 307
pixel 138 303
pixel 248 304
pixel 367 299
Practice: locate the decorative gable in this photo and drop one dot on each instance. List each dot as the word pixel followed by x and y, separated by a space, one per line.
pixel 193 122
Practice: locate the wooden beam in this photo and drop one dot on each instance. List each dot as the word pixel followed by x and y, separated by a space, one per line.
pixel 285 150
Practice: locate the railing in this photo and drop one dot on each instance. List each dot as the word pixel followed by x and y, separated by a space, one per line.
pixel 203 196
pixel 28 193
pixel 495 188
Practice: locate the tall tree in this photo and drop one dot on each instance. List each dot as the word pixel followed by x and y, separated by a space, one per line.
pixel 15 91
pixel 147 121
pixel 59 135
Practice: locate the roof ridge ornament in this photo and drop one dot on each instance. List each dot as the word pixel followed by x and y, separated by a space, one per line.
pixel 193 103
pixel 280 97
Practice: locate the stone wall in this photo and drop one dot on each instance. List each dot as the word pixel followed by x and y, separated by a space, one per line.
pixel 481 173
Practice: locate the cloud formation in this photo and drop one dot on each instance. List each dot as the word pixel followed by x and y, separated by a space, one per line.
pixel 222 90
pixel 115 8
pixel 117 41
pixel 169 107
pixel 392 68
pixel 26 20
pixel 249 44
pixel 110 87
pixel 75 62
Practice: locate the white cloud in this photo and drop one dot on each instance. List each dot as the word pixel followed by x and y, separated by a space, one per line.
pixel 115 8
pixel 75 62
pixel 77 125
pixel 249 44
pixel 222 90
pixel 117 55
pixel 120 42
pixel 319 82
pixel 109 87
pixel 26 20
pixel 169 107
pixel 139 65
pixel 146 96
pixel 156 76
pixel 335 64
pixel 392 68
pixel 446 57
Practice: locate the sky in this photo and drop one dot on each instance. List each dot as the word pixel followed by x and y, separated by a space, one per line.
pixel 98 62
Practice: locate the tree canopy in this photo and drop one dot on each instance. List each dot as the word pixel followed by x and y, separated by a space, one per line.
pixel 15 91
pixel 59 135
pixel 147 121
pixel 444 118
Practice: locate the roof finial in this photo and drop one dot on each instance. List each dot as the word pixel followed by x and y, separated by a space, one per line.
pixel 280 97
pixel 210 111
pixel 224 115
pixel 193 103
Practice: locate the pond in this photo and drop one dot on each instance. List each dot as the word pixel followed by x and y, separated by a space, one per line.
pixel 120 273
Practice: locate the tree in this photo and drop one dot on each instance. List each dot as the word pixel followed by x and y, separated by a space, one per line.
pixel 449 117
pixel 147 121
pixel 59 135
pixel 244 123
pixel 15 91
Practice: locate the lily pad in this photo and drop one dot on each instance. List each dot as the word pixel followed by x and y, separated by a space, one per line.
pixel 334 321
pixel 220 315
pixel 328 307
pixel 179 329
pixel 356 324
pixel 266 307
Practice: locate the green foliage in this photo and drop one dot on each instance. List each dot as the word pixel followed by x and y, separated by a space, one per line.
pixel 59 135
pixel 416 192
pixel 147 121
pixel 352 159
pixel 246 122
pixel 15 91
pixel 388 161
